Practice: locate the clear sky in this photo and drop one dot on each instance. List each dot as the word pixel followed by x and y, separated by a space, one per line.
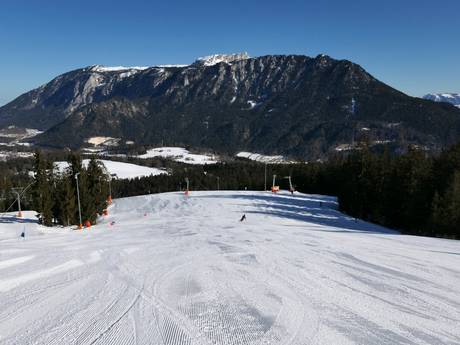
pixel 411 45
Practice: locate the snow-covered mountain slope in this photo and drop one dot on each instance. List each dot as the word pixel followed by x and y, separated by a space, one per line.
pixel 178 270
pixel 453 98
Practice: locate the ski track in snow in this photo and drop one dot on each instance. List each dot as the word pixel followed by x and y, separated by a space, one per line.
pixel 183 270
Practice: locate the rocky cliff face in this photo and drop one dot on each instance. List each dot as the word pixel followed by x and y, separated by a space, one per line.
pixel 53 102
pixel 284 104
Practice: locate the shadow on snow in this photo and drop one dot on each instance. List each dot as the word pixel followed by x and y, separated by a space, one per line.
pixel 313 209
pixel 14 219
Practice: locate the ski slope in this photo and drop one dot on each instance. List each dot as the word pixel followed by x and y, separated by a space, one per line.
pixel 184 270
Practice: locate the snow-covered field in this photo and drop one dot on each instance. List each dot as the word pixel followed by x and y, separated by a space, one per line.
pixel 185 270
pixel 121 169
pixel 179 154
pixel 6 155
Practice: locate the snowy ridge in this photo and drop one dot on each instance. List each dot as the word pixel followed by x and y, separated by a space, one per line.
pixel 209 60
pixel 212 60
pixel 166 269
pixel 176 66
pixel 101 68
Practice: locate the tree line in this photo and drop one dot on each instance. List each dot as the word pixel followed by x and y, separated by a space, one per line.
pixel 415 193
pixel 54 192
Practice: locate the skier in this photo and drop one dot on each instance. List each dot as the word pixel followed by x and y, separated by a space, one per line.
pixel 243 218
pixel 23 233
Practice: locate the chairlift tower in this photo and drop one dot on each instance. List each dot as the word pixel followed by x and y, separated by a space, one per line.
pixel 275 188
pixel 265 180
pixel 291 188
pixel 109 199
pixel 18 192
pixel 80 225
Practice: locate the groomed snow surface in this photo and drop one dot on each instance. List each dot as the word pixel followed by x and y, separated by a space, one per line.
pixel 184 270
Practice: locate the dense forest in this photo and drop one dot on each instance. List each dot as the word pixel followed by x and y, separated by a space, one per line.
pixel 414 193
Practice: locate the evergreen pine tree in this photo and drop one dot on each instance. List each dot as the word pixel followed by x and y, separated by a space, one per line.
pixel 96 179
pixel 448 215
pixel 42 190
pixel 67 200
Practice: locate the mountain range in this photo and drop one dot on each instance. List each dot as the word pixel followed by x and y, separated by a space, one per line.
pixel 294 105
pixel 452 98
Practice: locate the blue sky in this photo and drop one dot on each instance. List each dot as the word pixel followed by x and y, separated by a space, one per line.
pixel 410 45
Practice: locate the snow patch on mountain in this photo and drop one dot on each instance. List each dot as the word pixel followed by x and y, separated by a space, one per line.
pixel 127 74
pixel 102 69
pixel 107 141
pixel 172 66
pixel 212 60
pixel 253 104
